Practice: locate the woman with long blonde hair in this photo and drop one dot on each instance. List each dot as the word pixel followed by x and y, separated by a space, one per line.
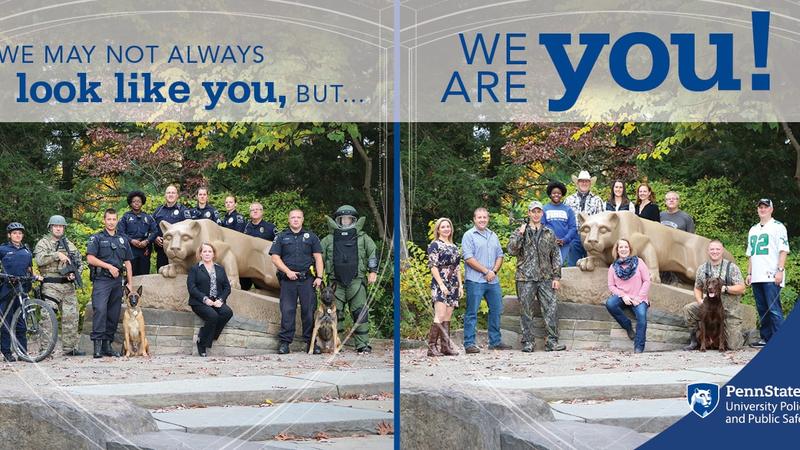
pixel 446 286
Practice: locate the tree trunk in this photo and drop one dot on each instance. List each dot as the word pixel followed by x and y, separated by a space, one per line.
pixel 787 128
pixel 367 187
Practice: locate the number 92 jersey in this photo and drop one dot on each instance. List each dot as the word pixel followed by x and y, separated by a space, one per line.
pixel 764 244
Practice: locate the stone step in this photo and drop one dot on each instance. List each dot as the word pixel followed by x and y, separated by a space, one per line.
pixel 646 415
pixel 178 440
pixel 613 386
pixel 217 391
pixel 301 419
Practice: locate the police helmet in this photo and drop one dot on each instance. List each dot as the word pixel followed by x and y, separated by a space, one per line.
pixel 13 226
pixel 139 194
pixel 343 213
pixel 57 220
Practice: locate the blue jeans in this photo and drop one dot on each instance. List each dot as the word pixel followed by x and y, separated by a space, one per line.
pixel 576 252
pixel 768 305
pixel 614 304
pixel 494 298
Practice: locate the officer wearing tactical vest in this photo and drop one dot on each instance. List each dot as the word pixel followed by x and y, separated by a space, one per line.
pixel 60 263
pixel 171 212
pixel 107 252
pixel 351 261
pixel 138 226
pixel 15 259
pixel 293 252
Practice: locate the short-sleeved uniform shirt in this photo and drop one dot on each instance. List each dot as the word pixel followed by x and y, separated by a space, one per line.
pixel 764 244
pixel 171 214
pixel 16 260
pixel 262 229
pixel 678 220
pixel 296 249
pixel 114 250
pixel 232 220
pixel 206 212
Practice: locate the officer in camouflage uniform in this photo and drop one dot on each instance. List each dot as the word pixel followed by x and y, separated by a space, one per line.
pixel 351 261
pixel 733 287
pixel 538 275
pixel 52 257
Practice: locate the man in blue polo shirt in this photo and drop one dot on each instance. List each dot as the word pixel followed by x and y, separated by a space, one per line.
pixel 483 257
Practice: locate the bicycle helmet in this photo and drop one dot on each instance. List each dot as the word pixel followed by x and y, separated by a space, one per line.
pixel 13 226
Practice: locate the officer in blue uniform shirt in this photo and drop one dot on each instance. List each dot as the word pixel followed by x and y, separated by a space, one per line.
pixel 16 259
pixel 108 253
pixel 138 226
pixel 293 252
pixel 203 210
pixel 257 228
pixel 171 212
pixel 232 219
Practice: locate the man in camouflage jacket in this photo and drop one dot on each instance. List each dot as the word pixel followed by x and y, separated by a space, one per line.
pixel 538 275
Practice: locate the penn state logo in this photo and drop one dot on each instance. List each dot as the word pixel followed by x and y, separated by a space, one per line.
pixel 703 398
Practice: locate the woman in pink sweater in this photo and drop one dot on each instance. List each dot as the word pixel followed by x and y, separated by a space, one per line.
pixel 629 282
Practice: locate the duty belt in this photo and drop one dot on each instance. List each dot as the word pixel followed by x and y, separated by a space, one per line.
pixel 61 280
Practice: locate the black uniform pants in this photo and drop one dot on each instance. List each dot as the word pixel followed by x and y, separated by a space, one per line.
pixel 215 320
pixel 161 257
pixel 106 306
pixel 140 265
pixel 291 291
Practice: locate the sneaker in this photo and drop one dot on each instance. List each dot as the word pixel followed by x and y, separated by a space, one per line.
pixel 500 346
pixel 9 357
pixel 472 349
pixel 758 344
pixel 527 348
pixel 555 348
pixel 365 349
pixel 283 348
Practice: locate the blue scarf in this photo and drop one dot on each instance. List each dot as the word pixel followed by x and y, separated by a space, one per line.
pixel 630 263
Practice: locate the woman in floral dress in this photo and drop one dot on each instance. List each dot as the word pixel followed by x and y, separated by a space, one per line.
pixel 446 287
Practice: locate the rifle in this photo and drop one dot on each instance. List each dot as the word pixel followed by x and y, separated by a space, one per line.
pixel 75 263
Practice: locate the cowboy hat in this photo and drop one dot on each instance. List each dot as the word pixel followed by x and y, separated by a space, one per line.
pixel 583 175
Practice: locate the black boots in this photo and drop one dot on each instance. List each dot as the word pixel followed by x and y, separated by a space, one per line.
pixel 98 352
pixel 108 350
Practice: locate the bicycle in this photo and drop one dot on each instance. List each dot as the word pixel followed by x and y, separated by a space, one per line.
pixel 38 318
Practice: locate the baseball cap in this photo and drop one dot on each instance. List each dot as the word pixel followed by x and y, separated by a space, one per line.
pixel 765 201
pixel 535 204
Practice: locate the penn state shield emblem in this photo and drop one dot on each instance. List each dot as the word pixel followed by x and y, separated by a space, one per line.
pixel 703 398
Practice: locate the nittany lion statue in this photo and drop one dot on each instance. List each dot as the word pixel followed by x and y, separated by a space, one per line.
pixel 239 254
pixel 661 247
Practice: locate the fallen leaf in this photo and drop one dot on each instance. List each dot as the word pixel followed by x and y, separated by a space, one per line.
pixel 321 436
pixel 385 428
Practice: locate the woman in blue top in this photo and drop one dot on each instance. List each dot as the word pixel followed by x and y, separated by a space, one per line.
pixel 16 259
pixel 560 218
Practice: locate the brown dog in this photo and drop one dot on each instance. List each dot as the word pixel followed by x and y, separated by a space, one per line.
pixel 325 322
pixel 133 324
pixel 711 332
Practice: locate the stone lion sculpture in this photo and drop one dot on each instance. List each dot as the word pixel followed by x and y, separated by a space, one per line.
pixel 662 248
pixel 239 254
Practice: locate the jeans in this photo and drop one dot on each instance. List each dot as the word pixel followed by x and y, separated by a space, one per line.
pixel 576 252
pixel 614 304
pixel 768 304
pixel 494 298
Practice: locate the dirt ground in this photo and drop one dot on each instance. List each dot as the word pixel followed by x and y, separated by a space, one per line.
pixel 70 371
pixel 417 368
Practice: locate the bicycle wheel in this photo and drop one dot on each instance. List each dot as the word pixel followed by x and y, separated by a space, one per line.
pixel 41 327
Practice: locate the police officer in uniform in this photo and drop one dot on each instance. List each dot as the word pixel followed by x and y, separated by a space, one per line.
pixel 108 252
pixel 54 254
pixel 350 258
pixel 257 228
pixel 293 252
pixel 16 259
pixel 232 219
pixel 203 210
pixel 171 212
pixel 138 226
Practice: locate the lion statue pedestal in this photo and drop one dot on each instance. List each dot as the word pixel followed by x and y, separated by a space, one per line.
pixel 584 322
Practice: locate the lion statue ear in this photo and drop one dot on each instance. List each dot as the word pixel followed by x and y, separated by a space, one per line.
pixel 582 218
pixel 614 219
pixel 195 228
pixel 165 226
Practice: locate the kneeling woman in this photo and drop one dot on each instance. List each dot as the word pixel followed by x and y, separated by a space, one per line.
pixel 629 283
pixel 209 288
